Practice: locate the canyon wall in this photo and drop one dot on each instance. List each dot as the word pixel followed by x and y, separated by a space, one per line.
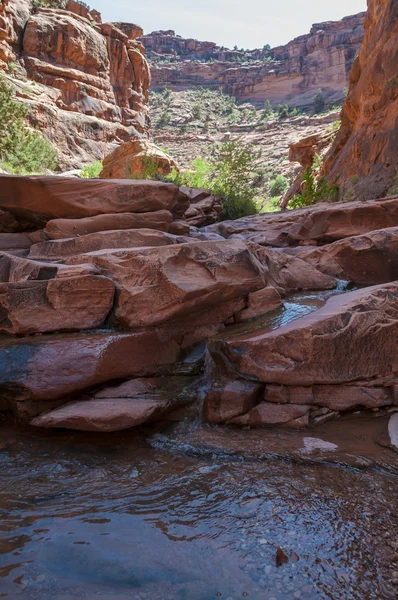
pixel 363 160
pixel 86 83
pixel 288 74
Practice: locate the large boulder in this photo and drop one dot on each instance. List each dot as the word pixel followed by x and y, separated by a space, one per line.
pixel 40 199
pixel 366 259
pixel 137 159
pixel 38 370
pixel 353 337
pixel 159 284
pixel 70 304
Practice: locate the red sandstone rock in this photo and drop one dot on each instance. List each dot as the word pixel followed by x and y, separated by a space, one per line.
pixel 322 223
pixel 290 273
pixel 224 401
pixel 292 73
pixel 179 228
pixel 128 405
pixel 353 337
pixel 103 240
pixel 204 209
pixel 16 269
pixel 367 259
pixel 51 367
pixel 67 228
pixel 134 159
pixel 260 303
pixel 14 242
pixel 71 304
pixel 8 223
pixel 363 160
pixel 271 414
pixel 92 83
pixel 158 284
pixel 334 397
pixel 40 199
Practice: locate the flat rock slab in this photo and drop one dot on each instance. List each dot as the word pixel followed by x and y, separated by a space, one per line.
pixel 66 228
pixel 354 336
pixel 50 367
pixel 156 285
pixel 103 240
pixel 70 304
pixel 41 199
pixel 121 407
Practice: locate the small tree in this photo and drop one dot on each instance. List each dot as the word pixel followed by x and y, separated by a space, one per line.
pixel 22 150
pixel 283 111
pixel 319 102
pixel 268 112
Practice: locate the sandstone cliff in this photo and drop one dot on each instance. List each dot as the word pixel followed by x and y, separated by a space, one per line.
pixel 363 161
pixel 292 73
pixel 86 83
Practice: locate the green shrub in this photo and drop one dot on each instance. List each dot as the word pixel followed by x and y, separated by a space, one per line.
pixel 278 186
pixel 314 189
pixel 92 171
pixel 283 111
pixel 319 102
pixel 22 151
pixel 229 175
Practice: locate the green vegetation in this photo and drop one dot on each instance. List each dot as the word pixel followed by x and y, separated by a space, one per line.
pixel 319 102
pixel 278 186
pixel 92 171
pixel 22 150
pixel 314 187
pixel 229 174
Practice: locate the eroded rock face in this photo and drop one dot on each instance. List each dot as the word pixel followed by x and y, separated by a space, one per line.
pixel 57 229
pixel 363 160
pixel 113 306
pixel 291 73
pixel 88 82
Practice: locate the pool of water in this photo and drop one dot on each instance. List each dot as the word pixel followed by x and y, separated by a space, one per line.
pixel 122 516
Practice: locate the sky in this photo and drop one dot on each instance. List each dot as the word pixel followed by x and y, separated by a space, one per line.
pixel 245 23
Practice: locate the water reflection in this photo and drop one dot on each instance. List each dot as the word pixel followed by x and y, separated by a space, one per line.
pixel 112 517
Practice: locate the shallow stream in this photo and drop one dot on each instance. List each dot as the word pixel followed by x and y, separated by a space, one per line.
pixel 185 511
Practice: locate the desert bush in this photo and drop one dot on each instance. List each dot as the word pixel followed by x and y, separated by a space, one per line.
pixel 319 102
pixel 22 150
pixel 278 186
pixel 314 188
pixel 92 171
pixel 229 174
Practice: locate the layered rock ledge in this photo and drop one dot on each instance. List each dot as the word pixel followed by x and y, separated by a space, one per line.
pixel 116 310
